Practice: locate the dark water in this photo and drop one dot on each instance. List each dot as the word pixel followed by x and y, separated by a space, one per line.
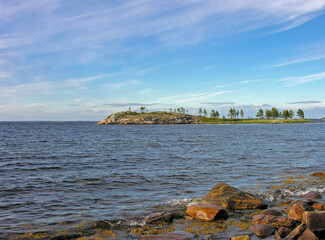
pixel 52 172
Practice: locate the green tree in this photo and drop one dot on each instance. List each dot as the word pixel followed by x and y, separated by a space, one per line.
pixel 300 114
pixel 241 113
pixel 260 113
pixel 291 114
pixel 274 113
pixel 237 114
pixel 268 114
pixel 142 109
pixel 205 112
pixel 200 111
pixel 170 109
pixel 214 114
pixel 285 114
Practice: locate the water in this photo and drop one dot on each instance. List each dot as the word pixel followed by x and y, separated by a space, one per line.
pixel 52 172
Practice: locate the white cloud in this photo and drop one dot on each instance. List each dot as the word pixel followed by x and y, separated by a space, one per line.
pixel 146 91
pixel 77 100
pixel 298 60
pixel 122 84
pixel 292 81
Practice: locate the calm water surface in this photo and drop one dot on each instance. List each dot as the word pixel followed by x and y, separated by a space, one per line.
pixel 52 172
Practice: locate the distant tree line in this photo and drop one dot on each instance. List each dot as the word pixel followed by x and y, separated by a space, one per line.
pixel 274 113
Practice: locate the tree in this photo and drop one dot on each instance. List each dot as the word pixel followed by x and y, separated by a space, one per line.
pixel 170 109
pixel 233 113
pixel 268 114
pixel 241 113
pixel 300 114
pixel 129 109
pixel 142 109
pixel 214 114
pixel 291 114
pixel 260 113
pixel 285 114
pixel 205 112
pixel 200 111
pixel 274 113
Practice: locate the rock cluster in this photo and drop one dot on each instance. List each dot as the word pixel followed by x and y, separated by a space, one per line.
pixel 126 118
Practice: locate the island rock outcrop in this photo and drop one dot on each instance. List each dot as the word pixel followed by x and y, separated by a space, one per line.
pixel 125 118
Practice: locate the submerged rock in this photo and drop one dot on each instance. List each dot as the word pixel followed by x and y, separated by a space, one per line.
pixel 166 217
pixel 275 221
pixel 262 230
pixel 177 235
pixel 124 118
pixel 206 212
pixel 232 198
pixel 244 237
pixel 318 174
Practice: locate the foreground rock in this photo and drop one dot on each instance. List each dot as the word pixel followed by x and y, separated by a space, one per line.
pixel 275 221
pixel 124 118
pixel 232 198
pixel 282 233
pixel 206 212
pixel 314 220
pixel 296 210
pixel 262 230
pixel 311 195
pixel 271 211
pixel 177 235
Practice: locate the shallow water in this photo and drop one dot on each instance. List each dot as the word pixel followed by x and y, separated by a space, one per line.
pixel 52 172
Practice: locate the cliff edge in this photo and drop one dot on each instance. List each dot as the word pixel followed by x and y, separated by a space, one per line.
pixel 124 118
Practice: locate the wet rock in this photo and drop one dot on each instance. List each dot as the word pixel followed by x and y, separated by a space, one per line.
pixel 314 220
pixel 232 198
pixel 308 235
pixel 318 174
pixel 177 235
pixel 271 211
pixel 244 237
pixel 262 230
pixel 275 221
pixel 166 217
pixel 319 206
pixel 311 195
pixel 296 232
pixel 282 233
pixel 206 212
pixel 295 211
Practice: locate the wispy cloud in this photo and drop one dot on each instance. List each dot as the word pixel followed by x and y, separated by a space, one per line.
pixel 295 61
pixel 219 103
pixel 249 81
pixel 193 97
pixel 305 102
pixel 130 104
pixel 293 81
pixel 122 84
pixel 5 74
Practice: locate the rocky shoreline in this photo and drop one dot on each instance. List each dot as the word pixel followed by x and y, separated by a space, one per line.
pixel 224 212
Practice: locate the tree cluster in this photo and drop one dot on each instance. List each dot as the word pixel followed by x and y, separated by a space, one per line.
pixel 274 113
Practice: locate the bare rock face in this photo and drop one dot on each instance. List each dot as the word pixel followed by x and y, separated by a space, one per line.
pixel 275 221
pixel 262 230
pixel 125 118
pixel 206 212
pixel 232 198
pixel 177 235
pixel 296 210
pixel 314 220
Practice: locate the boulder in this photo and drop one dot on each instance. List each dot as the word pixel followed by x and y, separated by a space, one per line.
pixel 314 220
pixel 275 221
pixel 232 198
pixel 206 212
pixel 159 217
pixel 244 237
pixel 296 232
pixel 271 211
pixel 311 195
pixel 262 230
pixel 282 233
pixel 177 235
pixel 295 211
pixel 308 235
pixel 319 206
pixel 318 174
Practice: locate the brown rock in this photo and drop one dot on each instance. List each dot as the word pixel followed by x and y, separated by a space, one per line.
pixel 244 237
pixel 275 221
pixel 159 217
pixel 271 211
pixel 282 233
pixel 318 174
pixel 177 235
pixel 308 235
pixel 296 232
pixel 262 230
pixel 206 212
pixel 319 206
pixel 295 211
pixel 314 220
pixel 232 198
pixel 311 195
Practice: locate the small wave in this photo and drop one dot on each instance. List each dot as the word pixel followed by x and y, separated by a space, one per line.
pixel 298 192
pixel 180 202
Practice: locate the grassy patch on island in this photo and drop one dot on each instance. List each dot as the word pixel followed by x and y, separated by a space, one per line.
pixel 206 120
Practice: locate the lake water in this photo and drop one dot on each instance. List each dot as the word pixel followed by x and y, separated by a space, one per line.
pixel 52 172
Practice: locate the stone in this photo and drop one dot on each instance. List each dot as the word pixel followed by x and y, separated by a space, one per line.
pixel 308 235
pixel 271 211
pixel 177 235
pixel 318 174
pixel 164 216
pixel 296 232
pixel 282 233
pixel 275 221
pixel 319 206
pixel 311 195
pixel 262 230
pixel 314 220
pixel 295 211
pixel 232 198
pixel 244 237
pixel 206 212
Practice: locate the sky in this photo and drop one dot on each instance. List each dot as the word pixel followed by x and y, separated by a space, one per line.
pixel 84 60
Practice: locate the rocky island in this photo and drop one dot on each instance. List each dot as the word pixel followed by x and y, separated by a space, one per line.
pixel 160 117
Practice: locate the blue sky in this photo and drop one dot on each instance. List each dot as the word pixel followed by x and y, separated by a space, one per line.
pixel 76 60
